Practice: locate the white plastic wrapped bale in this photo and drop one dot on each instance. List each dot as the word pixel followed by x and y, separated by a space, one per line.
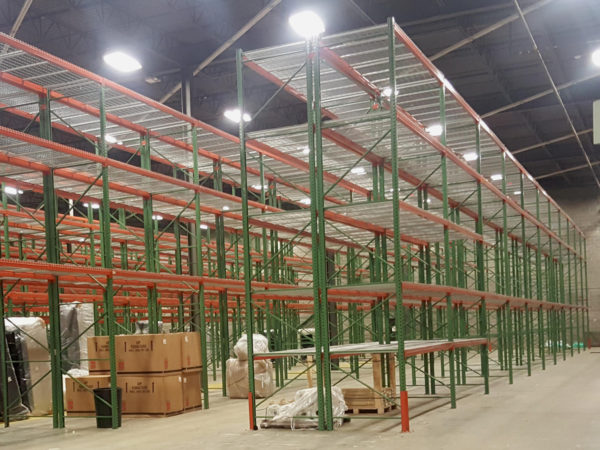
pixel 237 378
pixel 260 344
pixel 304 404
pixel 33 331
pixel 85 322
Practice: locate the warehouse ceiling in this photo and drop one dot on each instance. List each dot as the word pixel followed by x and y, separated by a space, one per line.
pixel 494 72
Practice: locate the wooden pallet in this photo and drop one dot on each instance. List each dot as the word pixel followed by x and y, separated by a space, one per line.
pixel 366 400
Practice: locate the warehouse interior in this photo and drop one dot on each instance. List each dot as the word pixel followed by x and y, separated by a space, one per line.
pixel 292 223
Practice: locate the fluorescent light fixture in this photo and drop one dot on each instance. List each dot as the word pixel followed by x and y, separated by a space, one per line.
pixel 517 192
pixel 258 187
pixel 596 57
pixel 12 191
pixel 305 150
pixel 81 239
pixel 306 201
pixel 470 156
pixel 235 115
pixel 387 92
pixel 435 130
pixel 94 205
pixel 358 170
pixel 112 140
pixel 157 217
pixel 203 226
pixel 225 208
pixel 496 177
pixel 151 79
pixel 122 61
pixel 307 24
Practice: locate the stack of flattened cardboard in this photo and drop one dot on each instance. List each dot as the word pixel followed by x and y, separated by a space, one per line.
pixel 159 374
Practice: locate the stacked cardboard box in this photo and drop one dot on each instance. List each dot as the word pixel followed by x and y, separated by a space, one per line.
pixel 159 374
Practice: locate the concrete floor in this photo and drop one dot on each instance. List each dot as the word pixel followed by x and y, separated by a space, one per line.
pixel 555 409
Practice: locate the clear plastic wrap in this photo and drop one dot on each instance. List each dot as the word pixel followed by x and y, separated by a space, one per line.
pixel 69 336
pixel 237 378
pixel 33 333
pixel 260 344
pixel 143 327
pixel 16 409
pixel 18 353
pixel 305 404
pixel 85 320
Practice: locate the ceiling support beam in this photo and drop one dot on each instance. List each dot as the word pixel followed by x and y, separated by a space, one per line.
pixel 262 13
pixel 18 22
pixel 556 93
pixel 488 30
pixel 570 169
pixel 539 95
pixel 551 141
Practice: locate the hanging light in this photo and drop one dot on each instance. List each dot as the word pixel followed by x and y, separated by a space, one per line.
pixel 387 92
pixel 596 57
pixel 157 217
pixel 496 177
pixel 12 191
pixel 358 170
pixel 470 156
pixel 94 205
pixel 203 227
pixel 305 201
pixel 122 61
pixel 435 130
pixel 307 24
pixel 235 115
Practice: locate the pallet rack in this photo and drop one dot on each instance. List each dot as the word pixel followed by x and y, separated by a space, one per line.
pixel 183 220
pixel 446 218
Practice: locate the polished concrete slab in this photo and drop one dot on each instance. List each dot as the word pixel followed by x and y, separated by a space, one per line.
pixel 555 409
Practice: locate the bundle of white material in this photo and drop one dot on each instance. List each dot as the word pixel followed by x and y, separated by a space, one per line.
pixel 260 344
pixel 33 331
pixel 305 404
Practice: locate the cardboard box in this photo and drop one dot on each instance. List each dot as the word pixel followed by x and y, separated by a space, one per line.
pixel 192 389
pixel 78 399
pixel 143 353
pixel 98 349
pixel 152 393
pixel 191 356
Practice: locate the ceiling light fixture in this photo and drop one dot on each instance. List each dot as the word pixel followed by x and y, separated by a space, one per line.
pixel 157 217
pixel 203 226
pixel 387 92
pixel 225 208
pixel 470 156
pixel 596 57
pixel 122 61
pixel 306 201
pixel 435 130
pixel 517 192
pixel 496 177
pixel 235 115
pixel 12 191
pixel 305 150
pixel 307 24
pixel 358 170
pixel 94 205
